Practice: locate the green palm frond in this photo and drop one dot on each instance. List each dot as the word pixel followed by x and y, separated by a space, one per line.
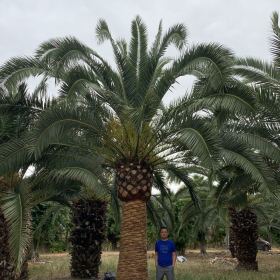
pixel 255 168
pixel 176 35
pixel 17 70
pixel 275 41
pixel 184 178
pixel 15 154
pixel 260 144
pixel 16 207
pixel 160 184
pixel 201 139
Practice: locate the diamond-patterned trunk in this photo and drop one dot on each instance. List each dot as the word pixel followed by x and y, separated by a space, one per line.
pixel 134 182
pixel 245 233
pixel 133 245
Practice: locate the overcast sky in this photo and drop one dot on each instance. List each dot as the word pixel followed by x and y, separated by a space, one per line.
pixel 242 25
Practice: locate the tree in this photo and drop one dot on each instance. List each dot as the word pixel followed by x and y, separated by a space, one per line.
pixel 132 134
pixel 18 111
pixel 88 205
pixel 205 217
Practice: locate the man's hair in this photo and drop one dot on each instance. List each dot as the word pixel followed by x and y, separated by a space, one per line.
pixel 163 227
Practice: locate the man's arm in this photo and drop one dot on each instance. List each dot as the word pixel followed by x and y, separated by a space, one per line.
pixel 174 257
pixel 156 259
pixel 156 254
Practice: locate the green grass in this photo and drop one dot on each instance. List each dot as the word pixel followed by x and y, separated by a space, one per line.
pixel 196 268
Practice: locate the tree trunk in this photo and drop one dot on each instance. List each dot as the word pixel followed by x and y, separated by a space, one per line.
pixel 202 243
pixel 134 181
pixel 133 244
pixel 7 269
pixel 231 244
pixel 245 229
pixel 87 236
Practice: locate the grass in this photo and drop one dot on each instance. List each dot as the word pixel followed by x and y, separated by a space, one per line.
pixel 56 267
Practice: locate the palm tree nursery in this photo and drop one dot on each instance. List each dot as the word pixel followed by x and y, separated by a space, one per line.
pixel 108 137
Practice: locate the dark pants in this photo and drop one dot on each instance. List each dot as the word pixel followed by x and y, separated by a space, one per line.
pixel 168 271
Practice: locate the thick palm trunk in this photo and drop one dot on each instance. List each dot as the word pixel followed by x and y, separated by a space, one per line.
pixel 87 236
pixel 133 244
pixel 134 181
pixel 245 229
pixel 7 269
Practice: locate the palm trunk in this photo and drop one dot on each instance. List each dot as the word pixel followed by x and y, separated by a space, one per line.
pixel 134 181
pixel 245 229
pixel 87 237
pixel 202 243
pixel 231 244
pixel 231 237
pixel 133 244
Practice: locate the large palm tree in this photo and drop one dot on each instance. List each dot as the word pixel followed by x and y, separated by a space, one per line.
pixel 117 115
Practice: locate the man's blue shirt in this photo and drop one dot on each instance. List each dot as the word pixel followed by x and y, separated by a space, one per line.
pixel 164 249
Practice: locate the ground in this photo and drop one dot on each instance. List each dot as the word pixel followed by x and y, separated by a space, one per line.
pixel 216 265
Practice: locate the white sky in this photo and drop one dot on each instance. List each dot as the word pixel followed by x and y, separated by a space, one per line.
pixel 242 25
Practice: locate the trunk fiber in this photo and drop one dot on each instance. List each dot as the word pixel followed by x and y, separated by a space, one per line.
pixel 245 229
pixel 133 244
pixel 87 236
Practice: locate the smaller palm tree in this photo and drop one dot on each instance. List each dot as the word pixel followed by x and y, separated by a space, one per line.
pixel 18 111
pixel 203 218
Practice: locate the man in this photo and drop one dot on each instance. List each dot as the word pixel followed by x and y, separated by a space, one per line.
pixel 165 256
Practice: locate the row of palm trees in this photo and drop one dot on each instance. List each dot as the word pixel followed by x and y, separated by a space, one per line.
pixel 109 133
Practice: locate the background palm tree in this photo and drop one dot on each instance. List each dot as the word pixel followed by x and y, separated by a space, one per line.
pixel 204 218
pixel 18 111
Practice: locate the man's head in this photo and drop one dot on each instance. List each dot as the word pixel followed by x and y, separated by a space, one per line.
pixel 163 233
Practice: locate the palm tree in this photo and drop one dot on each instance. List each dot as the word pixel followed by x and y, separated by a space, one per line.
pixel 120 111
pixel 18 111
pixel 264 78
pixel 203 218
pixel 88 204
pixel 237 191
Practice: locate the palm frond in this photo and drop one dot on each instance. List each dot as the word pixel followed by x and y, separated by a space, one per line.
pixel 16 207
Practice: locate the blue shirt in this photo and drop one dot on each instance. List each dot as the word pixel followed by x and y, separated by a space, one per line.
pixel 165 249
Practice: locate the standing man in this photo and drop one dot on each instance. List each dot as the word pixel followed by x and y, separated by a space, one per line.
pixel 165 256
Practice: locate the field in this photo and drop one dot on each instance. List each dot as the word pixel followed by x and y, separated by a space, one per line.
pixel 216 265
